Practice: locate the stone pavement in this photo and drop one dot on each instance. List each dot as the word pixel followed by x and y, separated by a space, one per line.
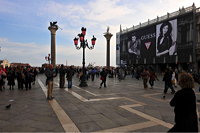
pixel 124 106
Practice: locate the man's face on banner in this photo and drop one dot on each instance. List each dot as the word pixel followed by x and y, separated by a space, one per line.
pixel 133 38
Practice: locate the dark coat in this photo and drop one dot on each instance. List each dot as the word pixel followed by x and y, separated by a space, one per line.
pixel 50 74
pixel 167 78
pixel 184 103
pixel 62 72
pixel 28 76
pixel 70 74
pixel 11 77
pixel 103 75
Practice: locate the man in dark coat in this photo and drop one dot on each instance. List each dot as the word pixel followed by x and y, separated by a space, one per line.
pixel 167 78
pixel 62 72
pixel 11 78
pixel 50 74
pixel 20 77
pixel 70 74
pixel 28 78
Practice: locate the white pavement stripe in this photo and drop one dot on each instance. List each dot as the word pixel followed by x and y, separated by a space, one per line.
pixel 104 99
pixel 153 121
pixel 131 127
pixel 85 90
pixel 76 95
pixel 64 119
pixel 160 122
pixel 156 99
pixel 98 99
pixel 88 100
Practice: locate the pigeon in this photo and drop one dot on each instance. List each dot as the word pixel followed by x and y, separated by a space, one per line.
pixel 8 106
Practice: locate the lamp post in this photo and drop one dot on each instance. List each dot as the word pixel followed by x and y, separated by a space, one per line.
pixel 83 44
pixel 48 58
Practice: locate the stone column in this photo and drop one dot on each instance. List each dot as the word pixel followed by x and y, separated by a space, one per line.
pixel 108 36
pixel 53 30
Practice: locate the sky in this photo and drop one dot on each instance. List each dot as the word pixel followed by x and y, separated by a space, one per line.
pixel 25 38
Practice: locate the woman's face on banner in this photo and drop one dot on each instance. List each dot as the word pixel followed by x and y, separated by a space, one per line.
pixel 165 29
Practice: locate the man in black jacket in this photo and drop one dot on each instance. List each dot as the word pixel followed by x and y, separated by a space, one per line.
pixel 168 81
pixel 50 74
pixel 62 72
pixel 70 74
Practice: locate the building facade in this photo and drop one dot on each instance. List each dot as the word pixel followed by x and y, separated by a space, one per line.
pixel 172 40
pixel 5 63
pixel 20 64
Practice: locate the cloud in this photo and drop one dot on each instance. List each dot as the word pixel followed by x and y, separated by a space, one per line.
pixel 95 11
pixel 12 7
pixel 35 53
pixel 95 15
pixel 105 10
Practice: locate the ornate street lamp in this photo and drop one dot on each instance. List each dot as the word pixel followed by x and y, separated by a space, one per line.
pixel 48 58
pixel 83 44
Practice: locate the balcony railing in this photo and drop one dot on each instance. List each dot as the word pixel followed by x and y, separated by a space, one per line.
pixel 158 19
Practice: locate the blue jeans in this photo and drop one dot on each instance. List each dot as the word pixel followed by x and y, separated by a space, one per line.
pixel 69 83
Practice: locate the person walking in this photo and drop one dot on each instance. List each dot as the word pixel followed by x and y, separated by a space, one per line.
pixel 62 72
pixel 50 74
pixel 167 78
pixel 152 78
pixel 174 80
pixel 145 76
pixel 93 72
pixel 69 76
pixel 103 74
pixel 184 103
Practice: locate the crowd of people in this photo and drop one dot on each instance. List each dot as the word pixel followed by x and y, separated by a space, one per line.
pixel 25 77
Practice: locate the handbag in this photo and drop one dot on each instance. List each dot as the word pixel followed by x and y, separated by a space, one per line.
pixel 101 78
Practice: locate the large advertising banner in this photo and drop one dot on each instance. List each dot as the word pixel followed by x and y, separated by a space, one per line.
pixel 166 36
pixel 117 49
pixel 142 44
pixel 153 44
pixel 148 45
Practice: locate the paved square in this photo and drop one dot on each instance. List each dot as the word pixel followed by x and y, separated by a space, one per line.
pixel 124 106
